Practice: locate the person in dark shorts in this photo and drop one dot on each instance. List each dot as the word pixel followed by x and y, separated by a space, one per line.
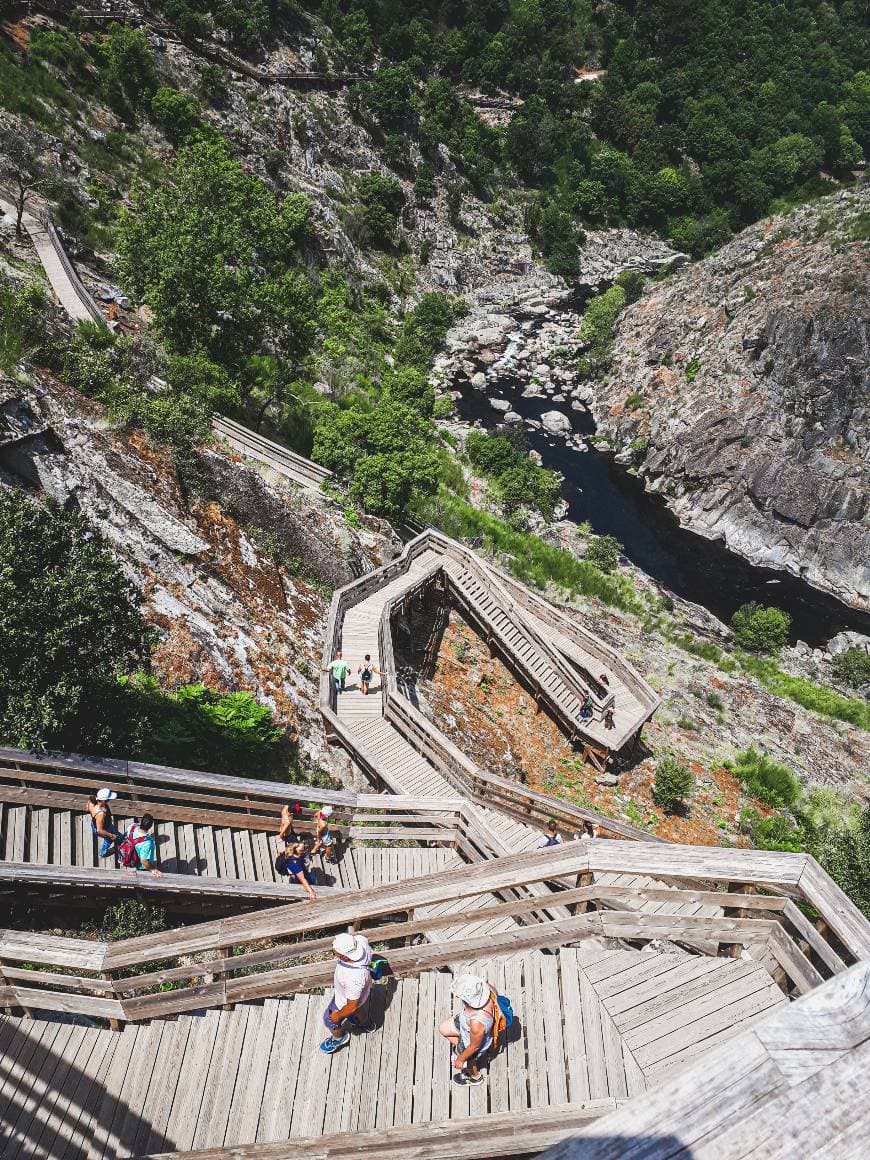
pixel 470 1033
pixel 366 670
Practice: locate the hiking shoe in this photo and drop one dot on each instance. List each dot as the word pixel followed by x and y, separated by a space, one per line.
pixel 333 1043
pixel 474 1078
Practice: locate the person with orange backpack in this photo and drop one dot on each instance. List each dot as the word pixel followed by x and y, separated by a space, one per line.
pixel 476 1032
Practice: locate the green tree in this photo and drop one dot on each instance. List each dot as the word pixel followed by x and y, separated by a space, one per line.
pixel 853 666
pixel 674 782
pixel 386 455
pixel 176 114
pixel 381 201
pixel 759 628
pixel 126 65
pixel 70 626
pixel 604 552
pixel 212 251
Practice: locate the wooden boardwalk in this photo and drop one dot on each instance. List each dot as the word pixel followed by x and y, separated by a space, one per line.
pixel 401 766
pixel 592 1025
pixel 46 836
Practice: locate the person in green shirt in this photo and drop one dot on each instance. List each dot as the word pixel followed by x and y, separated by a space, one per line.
pixel 338 670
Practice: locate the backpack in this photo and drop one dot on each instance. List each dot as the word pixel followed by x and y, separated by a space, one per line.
pixel 126 849
pixel 281 861
pixel 503 1017
pixel 379 968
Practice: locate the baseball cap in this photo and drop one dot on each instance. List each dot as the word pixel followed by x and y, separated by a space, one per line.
pixel 105 795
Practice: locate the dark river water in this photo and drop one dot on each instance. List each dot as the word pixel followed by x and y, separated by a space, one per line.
pixel 599 490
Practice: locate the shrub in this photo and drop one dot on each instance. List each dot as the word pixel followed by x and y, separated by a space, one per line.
pixel 852 667
pixel 673 784
pixel 692 368
pixel 597 327
pixel 604 552
pixel 759 628
pixel 770 781
pixel 381 200
pixel 132 918
pixel 202 728
pixel 176 114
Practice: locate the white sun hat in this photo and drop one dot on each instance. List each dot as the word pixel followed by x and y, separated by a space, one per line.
pixel 105 795
pixel 349 945
pixel 471 989
pixel 327 811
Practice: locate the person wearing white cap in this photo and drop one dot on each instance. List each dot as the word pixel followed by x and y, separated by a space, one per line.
pixel 325 838
pixel 470 1032
pixel 102 822
pixel 352 983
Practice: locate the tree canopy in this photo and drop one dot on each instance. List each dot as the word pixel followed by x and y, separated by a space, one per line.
pixel 212 251
pixel 70 626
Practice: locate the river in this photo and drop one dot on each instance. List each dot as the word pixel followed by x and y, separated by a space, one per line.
pixel 598 489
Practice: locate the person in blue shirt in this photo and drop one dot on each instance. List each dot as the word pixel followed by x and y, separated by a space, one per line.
pixel 297 867
pixel 142 834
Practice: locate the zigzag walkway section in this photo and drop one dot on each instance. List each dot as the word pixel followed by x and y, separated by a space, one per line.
pixel 254 1074
pixel 404 751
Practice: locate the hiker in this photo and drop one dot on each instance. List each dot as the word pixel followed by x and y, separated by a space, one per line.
pixel 603 680
pixel 137 850
pixel 551 838
pixel 470 1033
pixel 338 670
pixel 352 984
pixel 102 822
pixel 325 838
pixel 586 707
pixel 366 669
pixel 590 830
pixel 608 718
pixel 293 863
pixel 290 811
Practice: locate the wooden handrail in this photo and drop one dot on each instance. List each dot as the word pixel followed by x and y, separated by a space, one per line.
pixel 762 919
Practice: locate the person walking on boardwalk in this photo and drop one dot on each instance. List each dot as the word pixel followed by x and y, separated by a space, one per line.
pixel 290 811
pixel 137 850
pixel 338 670
pixel 352 984
pixel 470 1033
pixel 102 822
pixel 551 838
pixel 293 863
pixel 366 670
pixel 325 839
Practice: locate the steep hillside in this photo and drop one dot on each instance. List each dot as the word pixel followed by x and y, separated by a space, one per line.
pixel 740 386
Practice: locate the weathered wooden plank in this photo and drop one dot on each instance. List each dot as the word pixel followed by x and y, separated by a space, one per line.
pixel 284 1070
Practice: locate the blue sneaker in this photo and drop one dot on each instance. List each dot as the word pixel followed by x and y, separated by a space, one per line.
pixel 333 1043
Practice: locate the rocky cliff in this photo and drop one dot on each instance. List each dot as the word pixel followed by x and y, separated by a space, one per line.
pixel 236 575
pixel 741 384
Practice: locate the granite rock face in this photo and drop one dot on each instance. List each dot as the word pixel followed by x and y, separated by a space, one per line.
pixel 752 368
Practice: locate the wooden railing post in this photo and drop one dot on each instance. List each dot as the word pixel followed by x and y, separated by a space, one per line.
pixel 11 1010
pixel 114 1024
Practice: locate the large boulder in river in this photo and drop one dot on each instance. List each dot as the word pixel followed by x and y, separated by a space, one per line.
pixel 556 423
pixel 747 375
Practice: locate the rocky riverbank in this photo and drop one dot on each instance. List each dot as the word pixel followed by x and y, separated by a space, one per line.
pixel 740 386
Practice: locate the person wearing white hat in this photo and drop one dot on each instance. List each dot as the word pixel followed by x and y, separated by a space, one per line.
pixel 325 839
pixel 470 1032
pixel 102 822
pixel 352 983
